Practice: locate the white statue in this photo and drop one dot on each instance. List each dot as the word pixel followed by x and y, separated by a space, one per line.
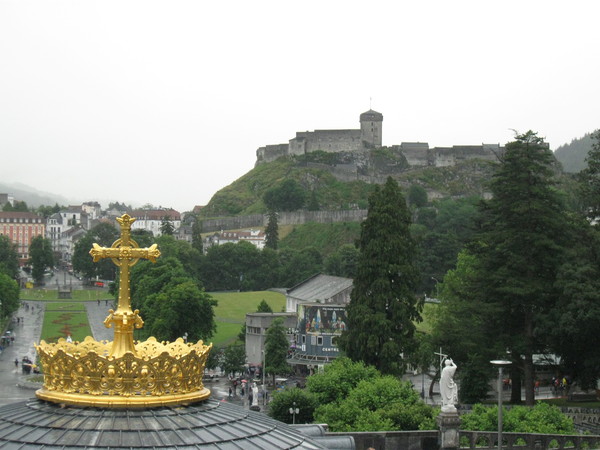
pixel 448 387
pixel 254 394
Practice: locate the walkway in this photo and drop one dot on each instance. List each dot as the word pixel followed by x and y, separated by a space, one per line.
pixel 13 385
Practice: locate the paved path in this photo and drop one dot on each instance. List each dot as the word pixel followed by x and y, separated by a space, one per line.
pixel 12 380
pixel 97 312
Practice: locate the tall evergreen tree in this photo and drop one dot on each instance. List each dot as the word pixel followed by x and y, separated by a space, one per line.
pixel 197 235
pixel 383 306
pixel 590 180
pixel 166 226
pixel 523 226
pixel 272 231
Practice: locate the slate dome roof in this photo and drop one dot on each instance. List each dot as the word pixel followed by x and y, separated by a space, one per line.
pixel 214 425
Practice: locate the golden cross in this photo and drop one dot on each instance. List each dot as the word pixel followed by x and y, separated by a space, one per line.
pixel 125 253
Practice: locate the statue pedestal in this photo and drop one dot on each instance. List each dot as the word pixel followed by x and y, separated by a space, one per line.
pixel 448 424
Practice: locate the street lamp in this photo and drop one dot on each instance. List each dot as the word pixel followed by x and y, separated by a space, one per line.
pixel 263 375
pixel 293 412
pixel 500 364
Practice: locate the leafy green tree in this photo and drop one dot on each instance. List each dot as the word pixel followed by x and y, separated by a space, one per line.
pixel 276 348
pixel 461 327
pixel 381 404
pixel 10 292
pixel 541 418
pixel 383 306
pixel 272 231
pixel 9 261
pixel 342 262
pixel 297 266
pixel 166 226
pixel 234 359
pixel 338 379
pixel 313 202
pixel 180 308
pixel 19 206
pixel 417 196
pixel 144 238
pixel 279 407
pixel 573 322
pixel 40 257
pixel 171 302
pixel 238 266
pixel 523 234
pixel 589 179
pixel 197 235
pixel 288 195
pixel 188 256
pixel 264 307
pixel 214 359
pixel 47 211
pixel 103 234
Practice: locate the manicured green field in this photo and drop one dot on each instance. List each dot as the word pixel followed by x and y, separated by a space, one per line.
pixel 233 306
pixel 230 314
pixel 60 324
pixel 52 294
pixel 227 333
pixel 65 306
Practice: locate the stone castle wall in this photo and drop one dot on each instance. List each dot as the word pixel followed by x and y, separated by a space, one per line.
pixel 284 218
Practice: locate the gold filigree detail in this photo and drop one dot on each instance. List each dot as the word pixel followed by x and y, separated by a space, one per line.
pixel 122 373
pixel 163 373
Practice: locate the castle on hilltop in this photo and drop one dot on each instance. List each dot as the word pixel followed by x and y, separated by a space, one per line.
pixel 369 136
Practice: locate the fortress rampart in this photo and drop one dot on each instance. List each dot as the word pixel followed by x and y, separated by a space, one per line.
pixel 368 136
pixel 284 218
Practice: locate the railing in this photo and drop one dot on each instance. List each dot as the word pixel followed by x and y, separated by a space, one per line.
pixel 480 440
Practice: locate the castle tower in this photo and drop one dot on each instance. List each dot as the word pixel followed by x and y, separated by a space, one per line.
pixel 371 127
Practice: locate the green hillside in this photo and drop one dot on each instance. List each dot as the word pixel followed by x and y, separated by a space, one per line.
pixel 326 192
pixel 572 156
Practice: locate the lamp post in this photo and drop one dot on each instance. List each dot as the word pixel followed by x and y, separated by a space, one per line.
pixel 263 376
pixel 293 412
pixel 500 364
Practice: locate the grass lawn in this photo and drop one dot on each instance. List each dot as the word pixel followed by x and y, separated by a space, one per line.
pixel 230 314
pixel 61 323
pixel 52 294
pixel 65 306
pixel 227 334
pixel 233 306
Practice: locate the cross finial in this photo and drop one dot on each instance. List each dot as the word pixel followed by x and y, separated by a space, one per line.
pixel 124 253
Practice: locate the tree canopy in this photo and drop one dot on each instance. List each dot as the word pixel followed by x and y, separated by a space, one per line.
pixel 40 257
pixel 9 261
pixel 10 295
pixel 383 305
pixel 522 239
pixel 276 349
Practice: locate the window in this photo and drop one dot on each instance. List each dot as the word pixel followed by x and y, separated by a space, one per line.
pixel 320 340
pixel 304 339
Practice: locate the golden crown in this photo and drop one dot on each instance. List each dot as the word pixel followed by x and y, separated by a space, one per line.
pixel 121 373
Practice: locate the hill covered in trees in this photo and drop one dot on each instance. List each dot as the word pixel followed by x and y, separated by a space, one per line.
pixel 572 156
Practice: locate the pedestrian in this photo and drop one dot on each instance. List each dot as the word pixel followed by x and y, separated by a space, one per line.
pixel 230 392
pixel 16 362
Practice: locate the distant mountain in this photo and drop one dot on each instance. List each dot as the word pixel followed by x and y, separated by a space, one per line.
pixel 572 156
pixel 32 196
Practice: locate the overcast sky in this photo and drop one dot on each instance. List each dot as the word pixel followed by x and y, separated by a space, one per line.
pixel 166 102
